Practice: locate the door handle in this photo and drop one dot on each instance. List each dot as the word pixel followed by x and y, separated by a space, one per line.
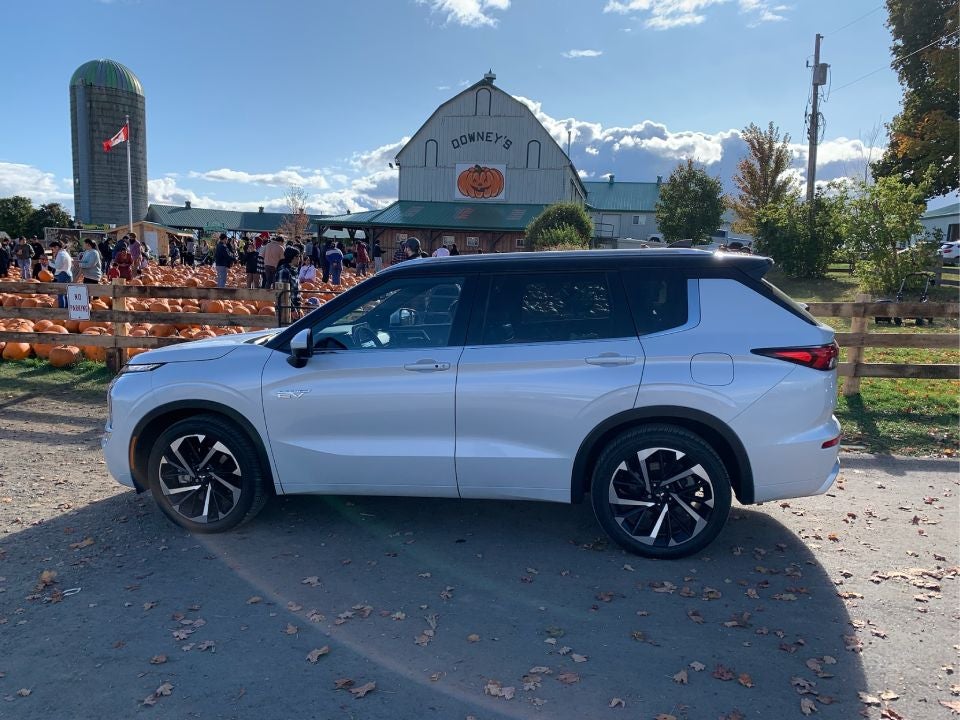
pixel 427 366
pixel 611 360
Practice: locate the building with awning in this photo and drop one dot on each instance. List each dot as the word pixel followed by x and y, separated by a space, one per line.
pixel 210 221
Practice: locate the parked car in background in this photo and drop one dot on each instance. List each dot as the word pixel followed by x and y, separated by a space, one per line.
pixel 950 252
pixel 618 376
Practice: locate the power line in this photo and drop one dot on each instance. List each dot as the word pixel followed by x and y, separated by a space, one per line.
pixel 896 61
pixel 854 22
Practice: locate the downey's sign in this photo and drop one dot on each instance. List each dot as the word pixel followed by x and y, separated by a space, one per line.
pixel 483 136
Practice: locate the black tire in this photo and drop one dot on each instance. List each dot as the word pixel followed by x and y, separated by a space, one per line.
pixel 664 519
pixel 231 486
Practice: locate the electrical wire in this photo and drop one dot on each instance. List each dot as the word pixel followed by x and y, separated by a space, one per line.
pixel 895 61
pixel 854 22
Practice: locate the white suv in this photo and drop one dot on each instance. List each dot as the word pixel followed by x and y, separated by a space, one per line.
pixel 658 383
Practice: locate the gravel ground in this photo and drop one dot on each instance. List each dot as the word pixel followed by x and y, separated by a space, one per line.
pixel 836 606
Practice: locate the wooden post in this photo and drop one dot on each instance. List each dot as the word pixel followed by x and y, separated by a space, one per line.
pixel 117 356
pixel 858 325
pixel 284 301
pixel 938 271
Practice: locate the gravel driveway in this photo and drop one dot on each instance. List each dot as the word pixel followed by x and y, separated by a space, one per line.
pixel 409 608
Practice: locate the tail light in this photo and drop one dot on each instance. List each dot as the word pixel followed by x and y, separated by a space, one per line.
pixel 820 357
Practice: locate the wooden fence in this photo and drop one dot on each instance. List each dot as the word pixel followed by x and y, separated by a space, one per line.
pixel 948 276
pixel 862 312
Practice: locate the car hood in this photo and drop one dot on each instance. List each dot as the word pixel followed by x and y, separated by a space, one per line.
pixel 196 350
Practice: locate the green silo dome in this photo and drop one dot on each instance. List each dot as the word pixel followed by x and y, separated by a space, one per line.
pixel 109 74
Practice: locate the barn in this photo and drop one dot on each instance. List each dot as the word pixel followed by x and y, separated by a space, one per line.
pixel 477 172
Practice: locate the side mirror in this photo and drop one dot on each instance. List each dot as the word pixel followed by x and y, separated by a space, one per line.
pixel 402 317
pixel 301 348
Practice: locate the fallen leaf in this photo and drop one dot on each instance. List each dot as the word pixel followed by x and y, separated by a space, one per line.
pixel 745 680
pixel 665 716
pixel 342 683
pixel 616 702
pixel 359 692
pixel 47 578
pixel 436 676
pixel 578 658
pixel 24 692
pixel 315 616
pixel 568 678
pixel 953 705
pixel 318 653
pixel 697 666
pixel 293 607
pixel 254 600
pixel 312 581
pixel 540 670
pixel 888 695
pixel 681 678
pixel 149 605
pixel 723 673
pixel 207 645
pixel 807 706
pixel 888 713
pixel 158 659
pixel 291 629
pixel 695 616
pixel 85 543
pixel 473 637
pixel 867 699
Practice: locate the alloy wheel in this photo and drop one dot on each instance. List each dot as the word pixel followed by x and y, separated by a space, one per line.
pixel 200 477
pixel 661 497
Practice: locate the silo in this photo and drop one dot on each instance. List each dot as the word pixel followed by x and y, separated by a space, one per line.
pixel 102 94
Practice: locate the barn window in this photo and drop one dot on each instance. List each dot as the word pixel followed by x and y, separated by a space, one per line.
pixel 483 102
pixel 533 154
pixel 430 153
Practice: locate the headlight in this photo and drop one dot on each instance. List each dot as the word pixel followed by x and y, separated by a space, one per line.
pixel 146 367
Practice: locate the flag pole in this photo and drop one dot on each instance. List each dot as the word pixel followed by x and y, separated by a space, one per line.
pixel 129 177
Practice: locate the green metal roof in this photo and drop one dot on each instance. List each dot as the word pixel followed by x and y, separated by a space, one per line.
pixel 109 74
pixel 231 220
pixel 623 196
pixel 443 216
pixel 951 210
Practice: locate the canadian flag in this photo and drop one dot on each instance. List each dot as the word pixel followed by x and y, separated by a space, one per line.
pixel 120 137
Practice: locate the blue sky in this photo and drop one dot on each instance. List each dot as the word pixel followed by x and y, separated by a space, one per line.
pixel 245 97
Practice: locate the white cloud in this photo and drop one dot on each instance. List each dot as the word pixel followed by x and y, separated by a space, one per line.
pixel 281 178
pixel 582 53
pixel 666 14
pixel 470 13
pixel 28 181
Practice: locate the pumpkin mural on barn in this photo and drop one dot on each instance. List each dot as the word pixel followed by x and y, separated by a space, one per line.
pixel 480 182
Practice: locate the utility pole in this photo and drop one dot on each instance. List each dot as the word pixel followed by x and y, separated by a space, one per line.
pixel 819 78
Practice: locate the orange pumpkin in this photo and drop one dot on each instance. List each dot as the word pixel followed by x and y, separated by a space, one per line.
pixel 42 350
pixel 16 351
pixel 64 355
pixel 45 276
pixel 480 182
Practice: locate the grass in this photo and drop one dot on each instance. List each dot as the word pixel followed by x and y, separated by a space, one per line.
pixel 896 416
pixel 87 381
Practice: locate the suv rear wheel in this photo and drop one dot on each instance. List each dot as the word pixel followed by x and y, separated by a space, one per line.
pixel 205 474
pixel 661 491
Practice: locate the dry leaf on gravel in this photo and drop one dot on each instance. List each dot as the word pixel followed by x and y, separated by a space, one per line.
pixel 316 616
pixel 85 543
pixel 24 692
pixel 318 653
pixel 807 706
pixel 616 702
pixel 868 699
pixel 149 605
pixel 697 666
pixel 162 691
pixel 745 680
pixel 723 673
pixel 359 692
pixel 578 658
pixel 207 645
pixel 540 670
pixel 341 683
pixel 953 705
pixel 158 659
pixel 889 695
pixel 473 637
pixel 293 607
pixel 312 581
pixel 291 629
pixel 495 688
pixel 568 678
pixel 888 713
pixel 681 678
pixel 254 600
pixel 695 616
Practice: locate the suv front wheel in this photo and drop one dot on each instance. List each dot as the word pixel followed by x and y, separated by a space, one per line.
pixel 205 474
pixel 661 491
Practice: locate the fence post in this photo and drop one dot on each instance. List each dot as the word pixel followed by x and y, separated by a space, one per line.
pixel 858 326
pixel 284 301
pixel 938 271
pixel 117 356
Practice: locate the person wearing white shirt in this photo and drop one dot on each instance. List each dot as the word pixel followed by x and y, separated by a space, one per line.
pixel 308 271
pixel 62 268
pixel 441 251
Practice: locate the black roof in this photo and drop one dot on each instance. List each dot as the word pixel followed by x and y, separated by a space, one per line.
pixel 754 265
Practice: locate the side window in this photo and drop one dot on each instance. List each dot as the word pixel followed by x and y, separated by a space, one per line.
pixel 658 299
pixel 405 313
pixel 554 307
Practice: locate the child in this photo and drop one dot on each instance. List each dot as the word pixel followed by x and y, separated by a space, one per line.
pixel 114 271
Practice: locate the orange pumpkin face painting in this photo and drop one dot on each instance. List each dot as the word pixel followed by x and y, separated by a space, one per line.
pixel 480 182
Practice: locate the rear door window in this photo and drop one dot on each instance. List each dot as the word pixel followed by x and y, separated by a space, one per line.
pixel 658 299
pixel 554 307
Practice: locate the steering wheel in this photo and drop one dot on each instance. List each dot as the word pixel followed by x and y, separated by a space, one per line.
pixel 363 336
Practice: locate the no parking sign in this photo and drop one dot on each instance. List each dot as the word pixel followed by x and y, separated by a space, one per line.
pixel 78 301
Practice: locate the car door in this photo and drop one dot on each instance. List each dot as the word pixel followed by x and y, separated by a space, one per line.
pixel 372 411
pixel 549 357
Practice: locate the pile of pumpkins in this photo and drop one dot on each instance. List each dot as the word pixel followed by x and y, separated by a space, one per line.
pixel 63 352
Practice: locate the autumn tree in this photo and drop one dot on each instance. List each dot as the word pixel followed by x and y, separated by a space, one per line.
pixel 295 222
pixel 15 213
pixel 690 204
pixel 923 137
pixel 761 175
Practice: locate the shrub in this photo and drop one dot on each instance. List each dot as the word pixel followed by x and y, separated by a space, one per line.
pixel 563 223
pixel 783 233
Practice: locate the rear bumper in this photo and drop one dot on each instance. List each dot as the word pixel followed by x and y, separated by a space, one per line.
pixel 797 467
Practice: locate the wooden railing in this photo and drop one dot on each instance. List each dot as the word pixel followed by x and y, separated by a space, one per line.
pixel 859 337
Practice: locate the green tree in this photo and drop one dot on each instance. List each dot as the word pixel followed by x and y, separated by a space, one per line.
pixel 560 224
pixel 760 176
pixel 690 204
pixel 784 233
pixel 882 219
pixel 15 213
pixel 923 137
pixel 49 215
